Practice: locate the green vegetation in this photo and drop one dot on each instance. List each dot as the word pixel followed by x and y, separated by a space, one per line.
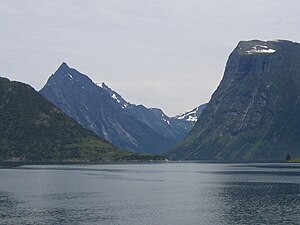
pixel 290 159
pixel 294 161
pixel 32 129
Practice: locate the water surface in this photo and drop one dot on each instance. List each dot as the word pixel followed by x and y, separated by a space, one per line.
pixel 151 194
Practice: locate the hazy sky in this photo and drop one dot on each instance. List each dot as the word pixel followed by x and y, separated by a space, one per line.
pixel 169 54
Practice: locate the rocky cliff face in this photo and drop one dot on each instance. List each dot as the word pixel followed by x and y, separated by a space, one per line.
pixel 104 111
pixel 255 112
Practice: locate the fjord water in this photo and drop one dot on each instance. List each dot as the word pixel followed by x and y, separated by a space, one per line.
pixel 147 194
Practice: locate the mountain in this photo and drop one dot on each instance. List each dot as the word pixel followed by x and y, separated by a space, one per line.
pixel 255 112
pixel 33 129
pixel 104 111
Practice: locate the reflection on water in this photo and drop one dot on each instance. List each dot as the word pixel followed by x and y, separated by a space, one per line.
pixel 173 193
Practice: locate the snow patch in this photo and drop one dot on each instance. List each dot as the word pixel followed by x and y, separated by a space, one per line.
pixel 115 97
pixel 191 113
pixel 71 77
pixel 192 118
pixel 261 49
pixel 167 121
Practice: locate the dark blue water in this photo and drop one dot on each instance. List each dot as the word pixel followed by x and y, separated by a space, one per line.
pixel 151 194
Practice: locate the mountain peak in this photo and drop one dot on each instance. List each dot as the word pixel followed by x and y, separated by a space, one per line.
pixel 67 74
pixel 64 66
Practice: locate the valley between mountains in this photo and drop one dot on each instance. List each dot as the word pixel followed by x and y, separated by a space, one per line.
pixel 253 115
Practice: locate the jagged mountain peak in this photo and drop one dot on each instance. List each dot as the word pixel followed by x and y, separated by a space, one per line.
pixel 72 74
pixel 66 77
pixel 107 113
pixel 63 66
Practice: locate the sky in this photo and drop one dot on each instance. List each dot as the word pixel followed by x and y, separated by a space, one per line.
pixel 169 54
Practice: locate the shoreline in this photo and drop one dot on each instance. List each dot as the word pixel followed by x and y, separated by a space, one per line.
pixel 24 163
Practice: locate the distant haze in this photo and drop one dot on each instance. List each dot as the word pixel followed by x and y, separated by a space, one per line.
pixel 169 54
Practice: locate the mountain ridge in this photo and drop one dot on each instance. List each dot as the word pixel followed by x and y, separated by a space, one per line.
pixel 101 109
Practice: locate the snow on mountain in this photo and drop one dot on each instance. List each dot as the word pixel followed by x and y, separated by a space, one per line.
pixel 175 128
pixel 191 115
pixel 154 114
pixel 122 102
pixel 260 49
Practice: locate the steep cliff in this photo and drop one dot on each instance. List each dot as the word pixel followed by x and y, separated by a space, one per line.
pixel 255 112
